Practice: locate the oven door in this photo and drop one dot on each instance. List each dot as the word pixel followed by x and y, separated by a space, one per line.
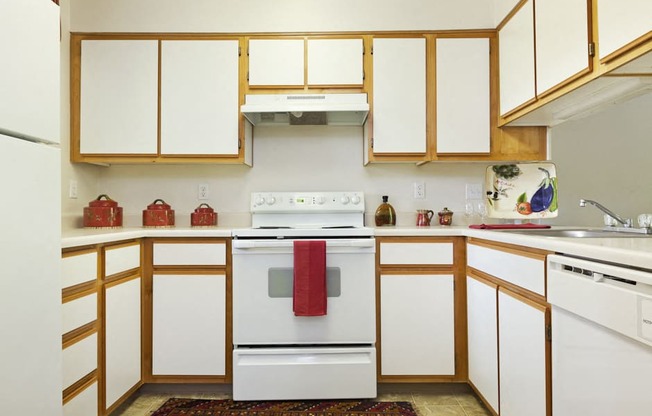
pixel 262 294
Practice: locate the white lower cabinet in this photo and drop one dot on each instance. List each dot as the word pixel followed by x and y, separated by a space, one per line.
pixel 508 345
pixel 417 324
pixel 189 324
pixel 122 322
pixel 522 356
pixel 482 303
pixel 84 404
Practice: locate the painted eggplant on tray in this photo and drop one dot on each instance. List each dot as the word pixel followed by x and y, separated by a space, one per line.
pixel 522 191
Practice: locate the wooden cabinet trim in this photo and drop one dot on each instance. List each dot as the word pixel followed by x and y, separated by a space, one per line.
pixel 78 334
pixel 78 291
pixel 498 282
pixel 533 253
pixel 542 306
pixel 82 384
pixel 120 278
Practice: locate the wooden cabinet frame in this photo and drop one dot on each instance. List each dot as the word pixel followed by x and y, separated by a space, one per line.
pixel 596 67
pixel 457 269
pixel 532 299
pixel 149 270
pixel 511 143
pixel 92 328
pixel 75 106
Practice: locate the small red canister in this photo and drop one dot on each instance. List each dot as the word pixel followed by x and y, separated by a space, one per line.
pixel 158 214
pixel 103 212
pixel 204 216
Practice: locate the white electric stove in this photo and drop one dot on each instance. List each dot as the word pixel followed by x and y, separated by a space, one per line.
pixel 280 356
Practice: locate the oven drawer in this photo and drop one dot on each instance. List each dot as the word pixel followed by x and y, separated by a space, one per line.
pixel 304 373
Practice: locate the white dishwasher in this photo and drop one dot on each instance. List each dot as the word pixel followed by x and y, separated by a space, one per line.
pixel 601 338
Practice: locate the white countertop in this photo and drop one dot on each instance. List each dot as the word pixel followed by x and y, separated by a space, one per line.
pixel 86 236
pixel 634 251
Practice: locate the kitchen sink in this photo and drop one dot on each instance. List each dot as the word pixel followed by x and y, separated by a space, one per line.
pixel 578 233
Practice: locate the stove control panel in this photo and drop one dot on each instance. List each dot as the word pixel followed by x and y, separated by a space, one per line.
pixel 288 202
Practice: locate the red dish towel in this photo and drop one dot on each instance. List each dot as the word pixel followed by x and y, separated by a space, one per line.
pixel 309 293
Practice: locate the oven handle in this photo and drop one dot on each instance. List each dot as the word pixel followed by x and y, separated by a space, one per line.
pixel 249 245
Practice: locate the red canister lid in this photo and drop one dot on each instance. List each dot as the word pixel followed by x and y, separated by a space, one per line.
pixel 158 204
pixel 204 209
pixel 106 202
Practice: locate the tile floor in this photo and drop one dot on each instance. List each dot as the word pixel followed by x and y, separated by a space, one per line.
pixel 428 399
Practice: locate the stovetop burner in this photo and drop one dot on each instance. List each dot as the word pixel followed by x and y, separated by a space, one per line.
pixel 306 215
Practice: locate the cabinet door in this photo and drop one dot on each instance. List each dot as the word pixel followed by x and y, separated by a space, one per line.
pixel 523 356
pixel 335 61
pixel 621 22
pixel 399 95
pixel 122 367
pixel 462 73
pixel 482 316
pixel 417 325
pixel 189 307
pixel 199 97
pixel 276 62
pixel 562 38
pixel 30 81
pixel 516 59
pixel 119 97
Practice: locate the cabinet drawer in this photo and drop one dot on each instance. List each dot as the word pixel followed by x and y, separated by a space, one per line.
pixel 190 254
pixel 79 312
pixel 79 359
pixel 84 404
pixel 78 269
pixel 526 272
pixel 416 253
pixel 121 259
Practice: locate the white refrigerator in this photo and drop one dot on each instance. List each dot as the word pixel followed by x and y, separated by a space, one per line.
pixel 30 209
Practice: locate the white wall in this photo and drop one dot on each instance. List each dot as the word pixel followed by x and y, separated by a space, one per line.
pixel 298 158
pixel 279 15
pixel 86 176
pixel 605 157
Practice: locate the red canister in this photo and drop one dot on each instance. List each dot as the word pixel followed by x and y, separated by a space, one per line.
pixel 204 216
pixel 103 212
pixel 158 214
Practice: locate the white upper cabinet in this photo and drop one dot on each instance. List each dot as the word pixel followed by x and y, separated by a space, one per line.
pixel 335 61
pixel 462 73
pixel 562 39
pixel 399 95
pixel 30 81
pixel 199 97
pixel 276 62
pixel 516 57
pixel 119 97
pixel 621 22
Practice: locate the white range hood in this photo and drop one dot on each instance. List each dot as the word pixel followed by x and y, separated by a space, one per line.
pixel 306 109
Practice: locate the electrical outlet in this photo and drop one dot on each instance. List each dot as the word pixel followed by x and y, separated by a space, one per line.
pixel 72 189
pixel 202 191
pixel 473 191
pixel 419 190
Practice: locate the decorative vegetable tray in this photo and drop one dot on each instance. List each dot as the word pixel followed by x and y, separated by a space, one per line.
pixel 522 191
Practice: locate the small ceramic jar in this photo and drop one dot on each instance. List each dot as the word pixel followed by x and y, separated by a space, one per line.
pixel 445 216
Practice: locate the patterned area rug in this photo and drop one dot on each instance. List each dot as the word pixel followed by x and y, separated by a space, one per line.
pixel 201 407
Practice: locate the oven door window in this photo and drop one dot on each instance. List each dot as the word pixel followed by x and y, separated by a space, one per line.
pixel 280 282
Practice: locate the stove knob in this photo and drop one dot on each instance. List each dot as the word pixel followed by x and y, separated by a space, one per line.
pixel 345 200
pixel 320 200
pixel 271 200
pixel 259 200
pixel 355 199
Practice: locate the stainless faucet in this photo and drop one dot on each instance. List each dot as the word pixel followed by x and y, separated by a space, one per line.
pixel 625 222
